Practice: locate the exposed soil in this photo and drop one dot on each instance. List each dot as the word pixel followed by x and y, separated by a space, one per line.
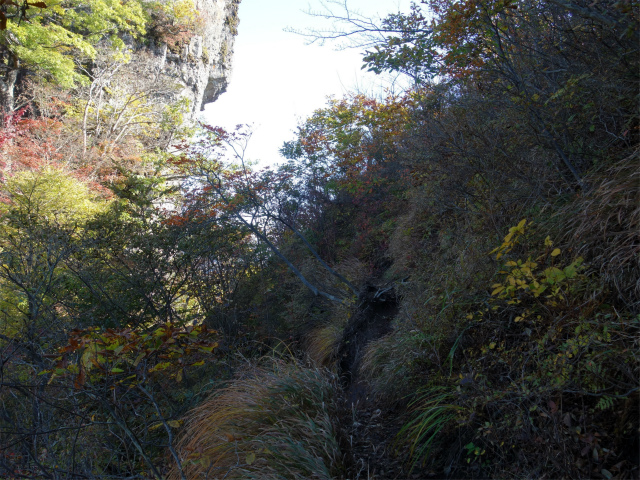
pixel 371 429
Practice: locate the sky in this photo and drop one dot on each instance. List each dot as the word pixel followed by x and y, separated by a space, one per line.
pixel 278 80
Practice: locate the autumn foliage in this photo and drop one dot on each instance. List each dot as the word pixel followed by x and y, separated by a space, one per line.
pixel 442 282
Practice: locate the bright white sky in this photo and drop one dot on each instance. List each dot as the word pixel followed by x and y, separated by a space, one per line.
pixel 278 80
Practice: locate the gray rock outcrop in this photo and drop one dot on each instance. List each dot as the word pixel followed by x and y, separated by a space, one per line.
pixel 202 67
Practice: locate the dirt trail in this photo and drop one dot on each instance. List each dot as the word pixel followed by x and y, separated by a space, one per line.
pixel 371 322
pixel 371 428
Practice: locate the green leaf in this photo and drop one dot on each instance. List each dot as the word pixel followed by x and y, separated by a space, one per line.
pixel 570 271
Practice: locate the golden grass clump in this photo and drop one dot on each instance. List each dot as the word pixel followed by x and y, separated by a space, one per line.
pixel 277 423
pixel 323 343
pixel 322 340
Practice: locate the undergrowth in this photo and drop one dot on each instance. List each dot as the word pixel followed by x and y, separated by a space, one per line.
pixel 541 375
pixel 278 421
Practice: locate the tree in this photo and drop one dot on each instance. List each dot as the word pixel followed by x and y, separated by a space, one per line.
pixel 47 40
pixel 346 165
pixel 124 112
pixel 547 59
pixel 252 198
pixel 43 217
pixel 72 264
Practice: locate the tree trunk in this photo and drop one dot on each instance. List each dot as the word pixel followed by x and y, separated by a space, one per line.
pixel 7 91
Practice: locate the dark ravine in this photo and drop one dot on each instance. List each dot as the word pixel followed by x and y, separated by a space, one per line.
pixel 371 427
pixel 377 308
pixel 370 430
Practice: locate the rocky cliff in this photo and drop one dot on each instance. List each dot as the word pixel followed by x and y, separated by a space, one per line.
pixel 201 63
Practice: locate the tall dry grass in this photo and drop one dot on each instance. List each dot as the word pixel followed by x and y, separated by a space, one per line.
pixel 604 225
pixel 444 260
pixel 323 337
pixel 277 423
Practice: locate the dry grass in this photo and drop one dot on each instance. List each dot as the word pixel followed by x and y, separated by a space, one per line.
pixel 391 364
pixel 323 341
pixel 402 239
pixel 605 224
pixel 446 256
pixel 353 269
pixel 277 423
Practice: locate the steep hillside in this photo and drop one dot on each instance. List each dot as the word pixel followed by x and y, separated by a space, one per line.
pixel 442 283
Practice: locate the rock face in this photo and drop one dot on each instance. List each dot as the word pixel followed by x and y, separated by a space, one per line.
pixel 202 67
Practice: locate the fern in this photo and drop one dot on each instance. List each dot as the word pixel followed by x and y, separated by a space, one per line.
pixel 605 403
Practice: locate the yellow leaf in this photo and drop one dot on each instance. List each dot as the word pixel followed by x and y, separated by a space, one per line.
pixel 86 359
pixel 251 457
pixel 138 358
pixel 492 345
pixel 497 290
pixel 511 263
pixel 174 423
pixel 556 252
pixel 548 242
